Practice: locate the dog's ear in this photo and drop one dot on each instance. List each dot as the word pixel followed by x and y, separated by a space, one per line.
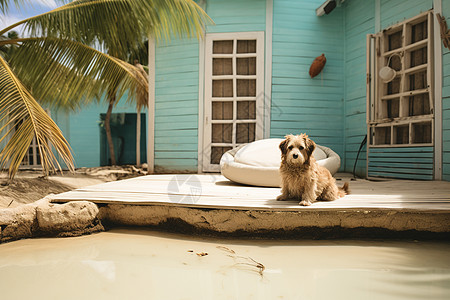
pixel 283 144
pixel 310 146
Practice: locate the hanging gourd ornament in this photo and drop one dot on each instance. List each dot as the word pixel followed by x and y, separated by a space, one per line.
pixel 317 65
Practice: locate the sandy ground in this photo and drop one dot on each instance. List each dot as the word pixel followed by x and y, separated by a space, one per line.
pixel 29 186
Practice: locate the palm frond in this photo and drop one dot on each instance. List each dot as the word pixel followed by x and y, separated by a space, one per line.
pixel 119 26
pixel 142 90
pixel 23 119
pixel 65 73
pixel 5 4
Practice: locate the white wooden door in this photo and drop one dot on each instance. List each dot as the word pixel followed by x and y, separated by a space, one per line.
pixel 234 93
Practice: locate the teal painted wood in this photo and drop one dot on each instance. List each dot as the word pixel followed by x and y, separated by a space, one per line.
pixel 237 15
pixel 446 100
pixel 402 162
pixel 406 155
pixel 397 170
pixel 176 164
pixel 176 104
pixel 401 176
pixel 172 154
pixel 359 21
pixel 299 103
pixel 420 161
pixel 413 150
pixel 179 133
pixel 394 11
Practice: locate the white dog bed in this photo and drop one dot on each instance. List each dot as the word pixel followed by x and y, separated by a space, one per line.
pixel 257 163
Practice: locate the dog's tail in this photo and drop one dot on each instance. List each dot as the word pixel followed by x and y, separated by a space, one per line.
pixel 344 190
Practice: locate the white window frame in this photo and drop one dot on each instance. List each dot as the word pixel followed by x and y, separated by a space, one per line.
pixel 376 57
pixel 208 77
pixel 25 164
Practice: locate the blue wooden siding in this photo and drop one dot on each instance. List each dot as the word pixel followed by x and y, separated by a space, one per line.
pixel 237 15
pixel 394 11
pixel 177 79
pixel 299 103
pixel 176 105
pixel 359 21
pixel 446 100
pixel 404 163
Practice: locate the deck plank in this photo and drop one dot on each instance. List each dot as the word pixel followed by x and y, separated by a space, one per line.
pixel 216 192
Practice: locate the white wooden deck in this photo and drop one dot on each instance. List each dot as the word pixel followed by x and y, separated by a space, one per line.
pixel 211 203
pixel 215 191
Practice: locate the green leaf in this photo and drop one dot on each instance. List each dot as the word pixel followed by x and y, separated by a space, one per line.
pixel 20 111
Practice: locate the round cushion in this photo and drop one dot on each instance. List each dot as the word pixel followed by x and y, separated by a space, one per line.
pixel 258 163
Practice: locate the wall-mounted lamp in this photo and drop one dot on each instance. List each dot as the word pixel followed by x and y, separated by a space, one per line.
pixel 387 74
pixel 326 8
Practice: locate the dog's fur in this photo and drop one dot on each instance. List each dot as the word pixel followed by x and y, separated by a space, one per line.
pixel 301 177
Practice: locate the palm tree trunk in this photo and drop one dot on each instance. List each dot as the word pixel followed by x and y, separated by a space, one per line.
pixel 112 99
pixel 138 137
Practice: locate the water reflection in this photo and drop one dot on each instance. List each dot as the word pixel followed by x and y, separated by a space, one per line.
pixel 126 264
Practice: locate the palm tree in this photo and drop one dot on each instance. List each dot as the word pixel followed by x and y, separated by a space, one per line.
pixel 59 64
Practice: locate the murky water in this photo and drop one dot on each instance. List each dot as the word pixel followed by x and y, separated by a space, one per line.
pixel 135 264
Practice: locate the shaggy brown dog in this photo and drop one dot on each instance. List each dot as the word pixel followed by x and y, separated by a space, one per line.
pixel 301 177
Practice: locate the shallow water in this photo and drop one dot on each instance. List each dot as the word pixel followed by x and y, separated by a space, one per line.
pixel 138 264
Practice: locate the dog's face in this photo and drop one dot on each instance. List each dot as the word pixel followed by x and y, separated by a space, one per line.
pixel 297 149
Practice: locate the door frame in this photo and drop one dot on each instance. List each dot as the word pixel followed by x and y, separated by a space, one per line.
pixel 205 70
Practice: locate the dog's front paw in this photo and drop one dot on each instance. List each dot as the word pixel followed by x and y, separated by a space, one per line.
pixel 305 203
pixel 281 198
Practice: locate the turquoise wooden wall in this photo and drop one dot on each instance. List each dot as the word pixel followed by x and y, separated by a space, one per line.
pixel 177 79
pixel 176 106
pixel 359 18
pixel 446 100
pixel 299 103
pixel 404 163
pixel 82 130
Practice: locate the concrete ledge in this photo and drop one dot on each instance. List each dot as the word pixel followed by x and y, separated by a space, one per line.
pixel 230 221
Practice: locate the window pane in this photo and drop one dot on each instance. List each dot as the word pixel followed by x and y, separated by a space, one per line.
pixel 222 66
pixel 223 47
pixel 217 152
pixel 390 108
pixel 395 63
pixel 222 88
pixel 418 57
pixel 419 105
pixel 246 110
pixel 417 81
pixel 421 133
pixel 245 133
pixel 221 133
pixel 382 135
pixel 222 110
pixel 246 66
pixel 419 31
pixel 394 41
pixel 393 87
pixel 246 87
pixel 246 46
pixel 401 134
